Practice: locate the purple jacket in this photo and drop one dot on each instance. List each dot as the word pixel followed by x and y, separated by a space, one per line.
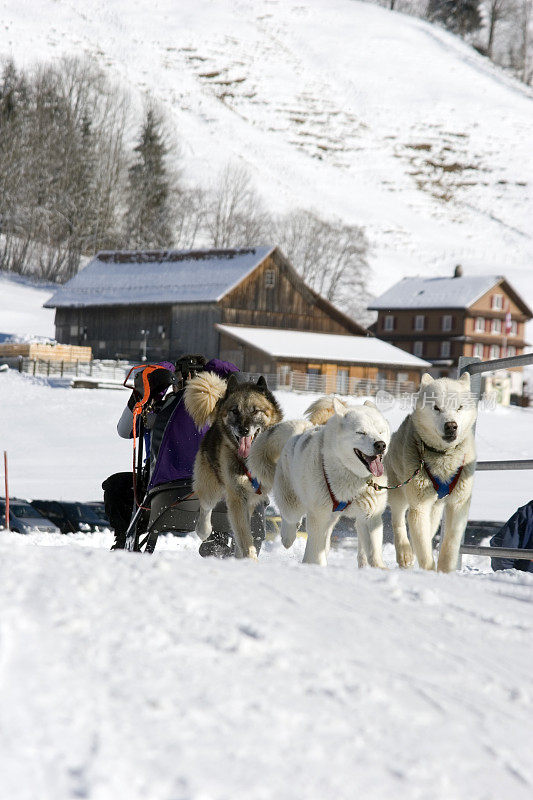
pixel 175 437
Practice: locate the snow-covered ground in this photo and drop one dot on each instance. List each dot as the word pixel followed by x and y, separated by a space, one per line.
pixel 129 677
pixel 21 311
pixel 341 106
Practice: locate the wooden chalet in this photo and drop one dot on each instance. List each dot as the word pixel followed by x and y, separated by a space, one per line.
pixel 160 304
pixel 443 318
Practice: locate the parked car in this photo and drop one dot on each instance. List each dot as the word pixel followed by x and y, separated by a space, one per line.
pixel 73 517
pixel 99 508
pixel 24 518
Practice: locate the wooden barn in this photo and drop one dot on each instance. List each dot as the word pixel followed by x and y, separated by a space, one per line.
pixel 161 304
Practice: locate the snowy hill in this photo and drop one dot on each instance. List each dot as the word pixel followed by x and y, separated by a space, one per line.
pixel 381 119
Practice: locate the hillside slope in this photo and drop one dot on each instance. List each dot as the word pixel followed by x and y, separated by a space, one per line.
pixel 359 112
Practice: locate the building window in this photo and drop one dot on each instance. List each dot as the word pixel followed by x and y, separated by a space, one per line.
pixel 444 349
pixel 419 322
pixel 478 351
pixel 74 330
pixel 496 326
pixel 402 377
pixel 511 351
pixel 343 376
pixel 497 302
pixel 494 351
pixel 480 325
pixel 447 322
pixel 388 323
pixel 514 328
pixel 270 278
pixel 101 345
pixel 418 349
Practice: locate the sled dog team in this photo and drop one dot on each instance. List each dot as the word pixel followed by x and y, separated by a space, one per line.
pixel 341 460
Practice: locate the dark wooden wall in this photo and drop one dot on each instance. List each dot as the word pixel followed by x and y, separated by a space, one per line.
pixel 287 304
pixel 118 329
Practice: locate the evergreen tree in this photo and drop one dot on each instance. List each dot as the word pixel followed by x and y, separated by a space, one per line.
pixel 149 211
pixel 458 16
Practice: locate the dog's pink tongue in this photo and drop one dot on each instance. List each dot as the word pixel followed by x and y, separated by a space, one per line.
pixel 245 442
pixel 376 467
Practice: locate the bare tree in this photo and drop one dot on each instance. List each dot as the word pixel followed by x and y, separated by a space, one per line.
pixel 234 215
pixel 61 166
pixel 496 11
pixel 330 256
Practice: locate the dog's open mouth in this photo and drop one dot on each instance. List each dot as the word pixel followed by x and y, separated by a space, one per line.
pixel 374 464
pixel 245 443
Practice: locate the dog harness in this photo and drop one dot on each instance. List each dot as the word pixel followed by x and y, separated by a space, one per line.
pixel 338 505
pixel 255 483
pixel 444 488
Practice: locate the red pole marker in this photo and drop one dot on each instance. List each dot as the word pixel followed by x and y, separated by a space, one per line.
pixel 7 490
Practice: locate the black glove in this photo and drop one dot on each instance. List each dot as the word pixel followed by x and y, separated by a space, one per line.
pixel 158 380
pixel 134 399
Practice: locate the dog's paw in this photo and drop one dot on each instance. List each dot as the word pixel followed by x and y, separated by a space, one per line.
pixel 252 553
pixel 203 532
pixel 288 534
pixel 377 564
pixel 404 556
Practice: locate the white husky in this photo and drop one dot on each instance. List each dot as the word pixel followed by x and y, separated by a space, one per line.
pixel 438 440
pixel 328 471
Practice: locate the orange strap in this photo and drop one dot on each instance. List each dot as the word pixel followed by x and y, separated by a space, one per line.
pixel 137 411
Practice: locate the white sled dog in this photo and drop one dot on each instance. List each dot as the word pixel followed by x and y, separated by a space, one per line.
pixel 325 472
pixel 437 442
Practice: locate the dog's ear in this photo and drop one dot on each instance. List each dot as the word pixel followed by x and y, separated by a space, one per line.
pixel 231 384
pixel 465 379
pixel 339 407
pixel 370 404
pixel 261 384
pixel 426 379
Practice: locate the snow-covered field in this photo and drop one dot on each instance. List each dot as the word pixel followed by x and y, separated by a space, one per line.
pixel 341 106
pixel 128 677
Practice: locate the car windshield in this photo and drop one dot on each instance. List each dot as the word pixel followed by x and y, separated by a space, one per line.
pixel 80 512
pixel 23 511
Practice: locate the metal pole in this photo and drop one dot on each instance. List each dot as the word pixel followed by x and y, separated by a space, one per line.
pixel 475 389
pixel 498 552
pixel 7 490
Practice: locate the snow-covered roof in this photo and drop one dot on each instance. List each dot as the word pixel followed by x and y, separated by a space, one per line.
pixel 282 343
pixel 172 276
pixel 443 292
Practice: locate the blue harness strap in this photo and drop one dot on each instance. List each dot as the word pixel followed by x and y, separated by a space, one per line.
pixel 444 488
pixel 255 483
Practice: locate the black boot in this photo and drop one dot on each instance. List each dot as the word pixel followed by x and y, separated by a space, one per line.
pixel 218 545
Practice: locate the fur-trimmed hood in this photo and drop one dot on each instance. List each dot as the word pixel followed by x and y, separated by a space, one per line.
pixel 202 394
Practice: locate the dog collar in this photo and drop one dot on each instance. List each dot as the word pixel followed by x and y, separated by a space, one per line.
pixel 426 446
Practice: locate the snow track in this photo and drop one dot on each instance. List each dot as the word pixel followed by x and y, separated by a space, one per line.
pixel 173 678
